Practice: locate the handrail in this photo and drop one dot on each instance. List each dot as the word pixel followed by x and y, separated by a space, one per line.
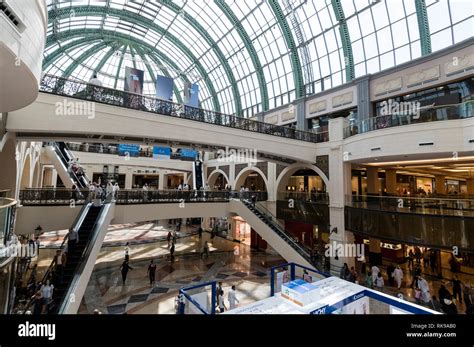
pixel 79 218
pixel 84 180
pixel 462 110
pixel 271 218
pixel 8 202
pixel 407 204
pixel 80 90
pixel 80 182
pixel 62 196
pixel 318 197
pixel 84 256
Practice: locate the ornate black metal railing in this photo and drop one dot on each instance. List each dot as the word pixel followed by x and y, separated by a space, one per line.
pixel 64 197
pixel 80 90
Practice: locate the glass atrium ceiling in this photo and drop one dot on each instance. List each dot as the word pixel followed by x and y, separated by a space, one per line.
pixel 247 56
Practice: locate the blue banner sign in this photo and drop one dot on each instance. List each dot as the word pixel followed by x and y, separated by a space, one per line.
pixel 129 150
pixel 161 152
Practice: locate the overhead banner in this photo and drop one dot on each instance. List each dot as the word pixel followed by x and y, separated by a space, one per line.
pixel 161 152
pixel 191 94
pixel 133 80
pixel 129 150
pixel 164 88
pixel 188 154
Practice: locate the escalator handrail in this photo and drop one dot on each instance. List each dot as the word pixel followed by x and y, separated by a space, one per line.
pixel 282 231
pixel 84 256
pixel 75 224
pixel 84 177
pixel 65 162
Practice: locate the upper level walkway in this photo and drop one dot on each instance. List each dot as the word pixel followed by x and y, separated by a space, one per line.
pixel 74 110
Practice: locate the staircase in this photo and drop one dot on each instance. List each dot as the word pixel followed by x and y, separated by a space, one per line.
pixel 273 232
pixel 74 259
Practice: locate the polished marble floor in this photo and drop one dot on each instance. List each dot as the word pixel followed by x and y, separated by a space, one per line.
pixel 229 262
pixel 120 234
pixel 233 263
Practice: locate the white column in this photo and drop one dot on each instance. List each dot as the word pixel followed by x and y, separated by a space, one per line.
pixel 161 180
pixel 232 175
pixel 272 194
pixel 339 187
pixel 128 178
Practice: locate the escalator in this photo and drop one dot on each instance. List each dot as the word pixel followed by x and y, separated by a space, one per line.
pixel 198 177
pixel 66 156
pixel 60 156
pixel 274 233
pixel 86 226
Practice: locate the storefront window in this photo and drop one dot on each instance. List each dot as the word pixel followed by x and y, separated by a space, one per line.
pixel 458 97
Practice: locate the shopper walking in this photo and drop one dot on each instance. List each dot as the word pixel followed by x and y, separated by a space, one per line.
pixel 124 269
pixel 232 297
pixel 375 272
pixel 221 303
pixel 200 232
pixel 205 250
pixel 379 282
pixel 424 287
pixel 151 272
pixel 172 252
pixel 168 238
pixel 398 276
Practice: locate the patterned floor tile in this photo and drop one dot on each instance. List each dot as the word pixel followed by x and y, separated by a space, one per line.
pixel 159 290
pixel 138 298
pixel 259 274
pixel 116 309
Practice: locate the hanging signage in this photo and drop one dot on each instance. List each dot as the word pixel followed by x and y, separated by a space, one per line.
pixel 164 88
pixel 191 94
pixel 161 152
pixel 127 150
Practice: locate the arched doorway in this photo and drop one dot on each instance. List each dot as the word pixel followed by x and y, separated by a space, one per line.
pixel 251 178
pixel 217 180
pixel 301 180
pixel 304 188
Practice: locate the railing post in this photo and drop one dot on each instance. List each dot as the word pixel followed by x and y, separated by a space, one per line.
pixel 213 298
pixel 292 271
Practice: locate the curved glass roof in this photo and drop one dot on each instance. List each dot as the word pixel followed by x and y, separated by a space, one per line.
pixel 247 56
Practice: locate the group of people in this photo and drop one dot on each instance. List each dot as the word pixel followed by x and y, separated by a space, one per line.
pixel 445 302
pixel 231 298
pixel 99 192
pixel 73 168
